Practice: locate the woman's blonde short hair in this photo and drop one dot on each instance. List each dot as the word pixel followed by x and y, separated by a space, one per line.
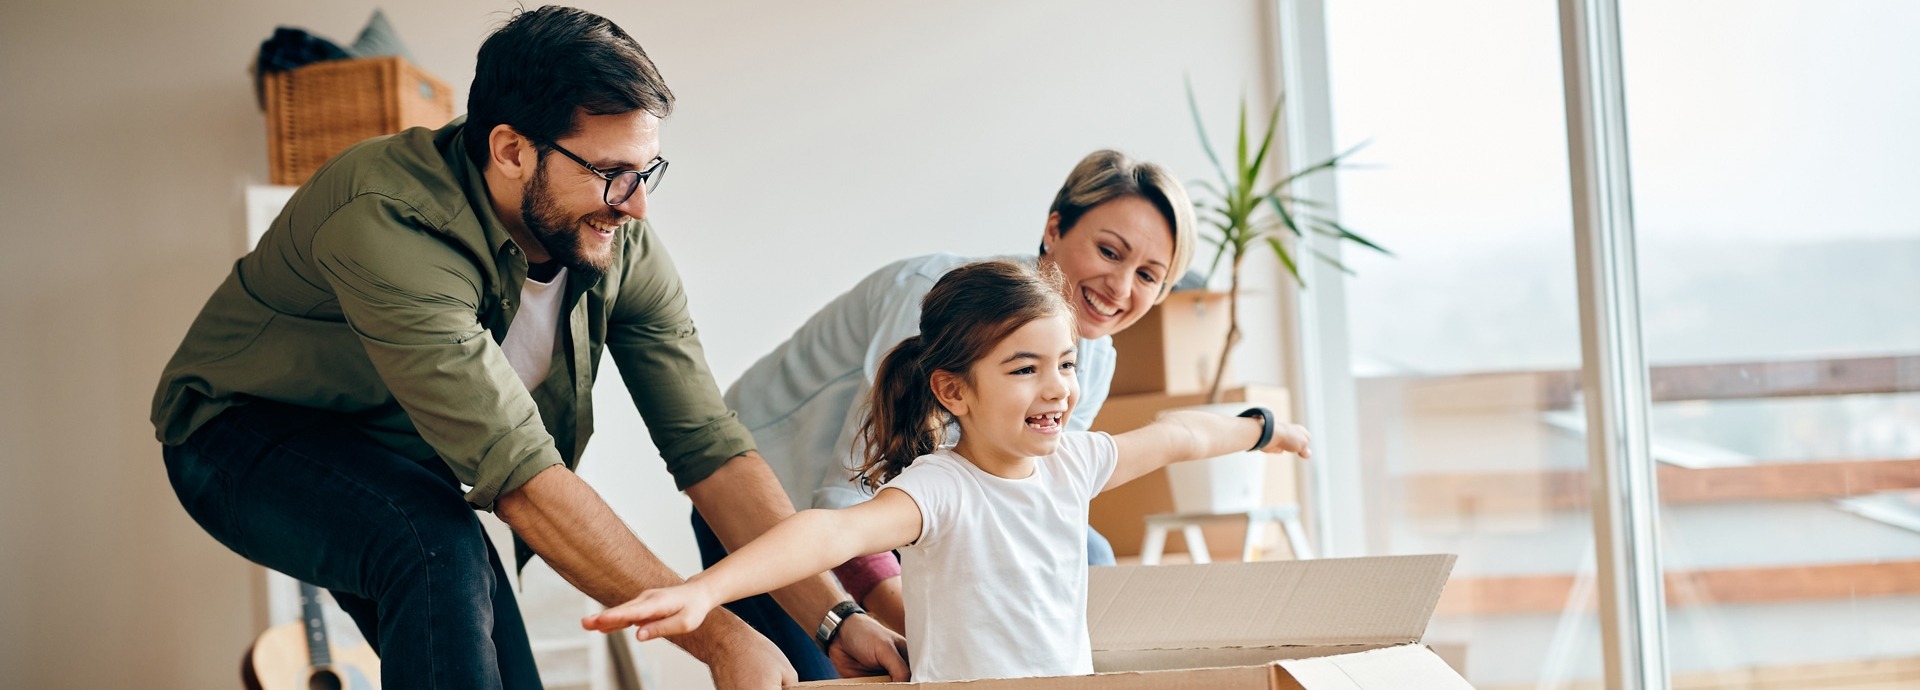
pixel 1106 175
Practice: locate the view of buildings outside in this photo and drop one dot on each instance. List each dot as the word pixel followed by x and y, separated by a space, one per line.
pixel 1772 155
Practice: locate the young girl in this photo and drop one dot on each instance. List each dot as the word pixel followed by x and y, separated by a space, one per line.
pixel 991 531
pixel 1120 231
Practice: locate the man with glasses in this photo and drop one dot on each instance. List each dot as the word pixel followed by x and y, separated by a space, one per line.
pixel 417 336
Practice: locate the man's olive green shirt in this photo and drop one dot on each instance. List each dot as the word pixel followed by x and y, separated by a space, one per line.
pixel 382 292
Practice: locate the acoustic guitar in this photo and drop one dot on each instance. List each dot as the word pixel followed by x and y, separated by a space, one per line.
pixel 298 656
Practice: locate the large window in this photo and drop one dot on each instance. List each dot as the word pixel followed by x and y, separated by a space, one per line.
pixel 1772 158
pixel 1773 148
pixel 1466 343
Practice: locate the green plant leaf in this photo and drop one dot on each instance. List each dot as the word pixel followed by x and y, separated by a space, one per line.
pixel 1337 161
pixel 1214 235
pixel 1233 216
pixel 1240 148
pixel 1336 262
pixel 1214 265
pixel 1266 142
pixel 1286 218
pixel 1206 144
pixel 1343 233
pixel 1286 259
pixel 1298 201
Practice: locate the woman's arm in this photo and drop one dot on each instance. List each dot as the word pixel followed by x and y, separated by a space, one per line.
pixel 806 544
pixel 1184 435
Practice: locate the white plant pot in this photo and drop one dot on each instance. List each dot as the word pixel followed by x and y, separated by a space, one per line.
pixel 1228 483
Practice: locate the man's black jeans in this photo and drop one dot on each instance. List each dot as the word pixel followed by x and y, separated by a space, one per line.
pixel 300 491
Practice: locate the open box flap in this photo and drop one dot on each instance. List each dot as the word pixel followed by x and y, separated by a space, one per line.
pixel 1377 601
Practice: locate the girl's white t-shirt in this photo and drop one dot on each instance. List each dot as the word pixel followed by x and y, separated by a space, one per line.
pixel 996 585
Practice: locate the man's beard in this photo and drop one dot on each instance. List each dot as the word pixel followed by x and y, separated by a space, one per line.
pixel 557 233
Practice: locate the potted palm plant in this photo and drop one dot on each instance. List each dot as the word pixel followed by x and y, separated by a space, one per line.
pixel 1242 212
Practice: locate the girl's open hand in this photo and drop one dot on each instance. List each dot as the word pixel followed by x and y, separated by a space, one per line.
pixel 656 612
pixel 1291 438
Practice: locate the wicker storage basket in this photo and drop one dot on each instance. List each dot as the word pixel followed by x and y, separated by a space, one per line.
pixel 317 111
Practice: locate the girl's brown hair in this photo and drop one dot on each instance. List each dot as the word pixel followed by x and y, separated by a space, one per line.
pixel 969 311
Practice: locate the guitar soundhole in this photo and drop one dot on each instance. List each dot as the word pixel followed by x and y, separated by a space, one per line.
pixel 324 680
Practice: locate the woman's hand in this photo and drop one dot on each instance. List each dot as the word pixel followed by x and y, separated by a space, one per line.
pixel 657 612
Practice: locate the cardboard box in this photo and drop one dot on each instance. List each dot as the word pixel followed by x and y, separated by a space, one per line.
pixel 1329 624
pixel 1174 348
pixel 1120 514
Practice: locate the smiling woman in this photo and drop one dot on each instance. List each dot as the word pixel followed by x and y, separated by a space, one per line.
pixel 1118 262
pixel 1118 233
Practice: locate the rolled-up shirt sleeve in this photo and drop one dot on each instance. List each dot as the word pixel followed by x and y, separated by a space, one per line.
pixel 412 299
pixel 652 339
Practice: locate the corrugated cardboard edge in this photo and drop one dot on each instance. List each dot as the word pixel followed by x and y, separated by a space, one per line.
pixel 1231 678
pixel 1253 655
pixel 1402 667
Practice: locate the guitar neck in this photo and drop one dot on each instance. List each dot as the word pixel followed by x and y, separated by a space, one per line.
pixel 315 624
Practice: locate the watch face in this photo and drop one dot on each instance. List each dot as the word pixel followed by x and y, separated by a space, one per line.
pixel 830 625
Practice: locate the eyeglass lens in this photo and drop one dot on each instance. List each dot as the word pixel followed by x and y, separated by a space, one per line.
pixel 625 183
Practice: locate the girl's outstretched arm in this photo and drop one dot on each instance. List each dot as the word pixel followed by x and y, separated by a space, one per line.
pixel 801 546
pixel 1184 435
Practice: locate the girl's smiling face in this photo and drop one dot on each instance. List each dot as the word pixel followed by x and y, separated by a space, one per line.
pixel 1018 397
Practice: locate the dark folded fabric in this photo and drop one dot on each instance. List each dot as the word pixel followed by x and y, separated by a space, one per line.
pixel 291 48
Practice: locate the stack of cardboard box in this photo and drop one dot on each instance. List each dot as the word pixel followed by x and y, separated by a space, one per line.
pixel 1167 360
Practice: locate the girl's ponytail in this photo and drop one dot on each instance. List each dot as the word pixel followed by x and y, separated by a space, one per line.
pixel 903 420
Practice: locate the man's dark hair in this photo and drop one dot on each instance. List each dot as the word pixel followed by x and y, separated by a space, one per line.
pixel 547 63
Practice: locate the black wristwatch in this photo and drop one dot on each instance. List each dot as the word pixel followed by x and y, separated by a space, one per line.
pixel 830 625
pixel 1266 425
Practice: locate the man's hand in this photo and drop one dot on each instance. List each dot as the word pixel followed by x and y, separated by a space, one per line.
pixel 759 665
pixel 864 647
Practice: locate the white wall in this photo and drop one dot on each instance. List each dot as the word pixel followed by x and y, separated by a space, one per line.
pixel 812 142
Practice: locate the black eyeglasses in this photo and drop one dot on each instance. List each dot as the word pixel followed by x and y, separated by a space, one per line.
pixel 621 184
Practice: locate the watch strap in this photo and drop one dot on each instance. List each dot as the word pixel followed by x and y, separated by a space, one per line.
pixel 1266 425
pixel 830 624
